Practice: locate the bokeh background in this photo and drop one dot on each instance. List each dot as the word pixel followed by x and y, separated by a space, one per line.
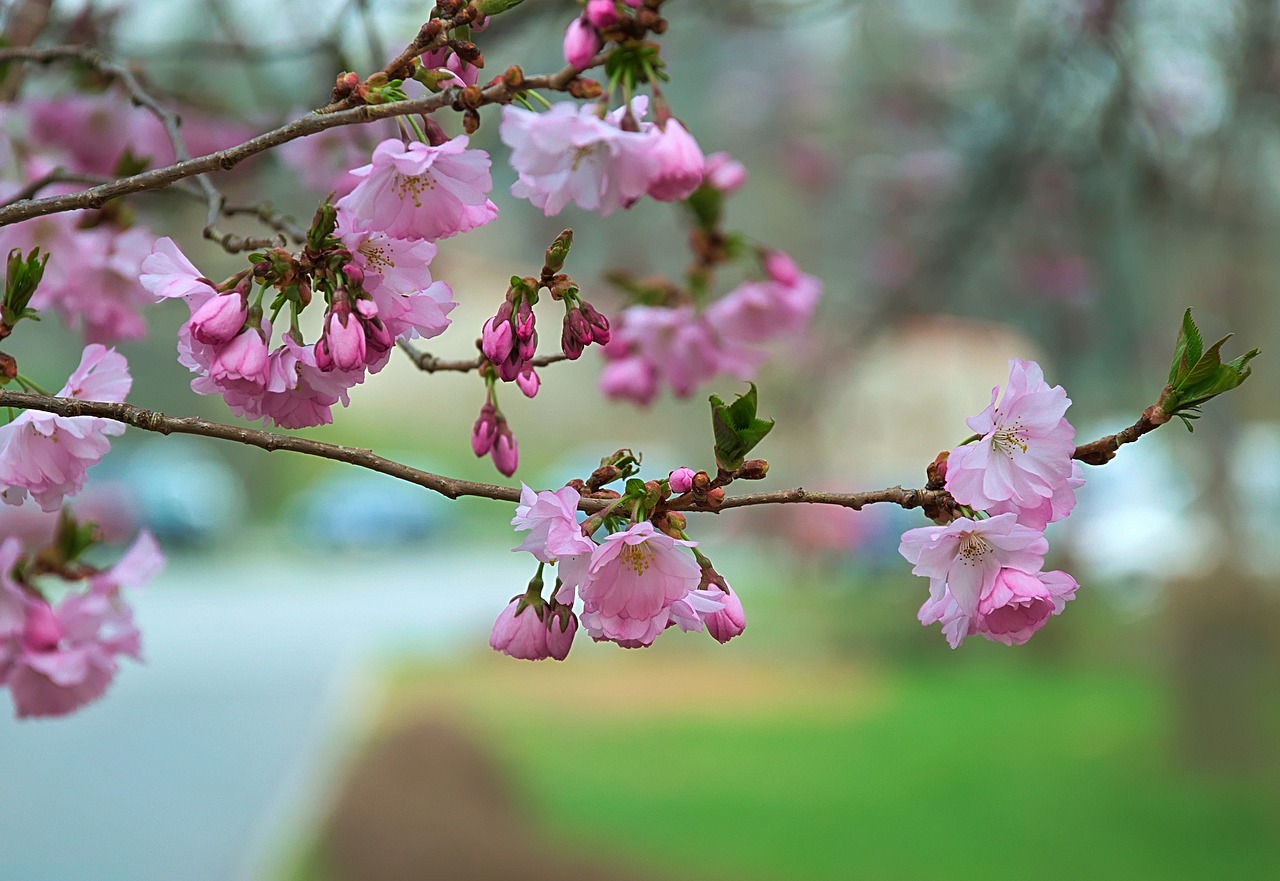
pixel 973 180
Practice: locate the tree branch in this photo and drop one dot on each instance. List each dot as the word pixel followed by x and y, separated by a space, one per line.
pixel 429 363
pixel 222 160
pixel 151 420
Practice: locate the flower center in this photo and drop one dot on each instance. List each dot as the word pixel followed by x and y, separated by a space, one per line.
pixel 973 548
pixel 1008 438
pixel 413 187
pixel 582 153
pixel 637 558
pixel 376 257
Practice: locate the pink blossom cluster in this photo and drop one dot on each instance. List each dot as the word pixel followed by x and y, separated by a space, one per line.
pixel 570 154
pixel 582 39
pixel 633 585
pixel 55 658
pixel 985 574
pixel 47 456
pixel 682 347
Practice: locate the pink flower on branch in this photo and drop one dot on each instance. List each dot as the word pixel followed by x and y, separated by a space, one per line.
pixel 48 456
pixel 1017 605
pixel 417 191
pixel 551 521
pixel 1023 454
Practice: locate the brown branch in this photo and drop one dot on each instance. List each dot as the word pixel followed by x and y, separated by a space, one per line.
pixel 935 502
pixel 1103 450
pixel 429 363
pixel 223 160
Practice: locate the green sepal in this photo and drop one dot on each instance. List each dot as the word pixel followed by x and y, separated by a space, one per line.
pixel 496 7
pixel 737 429
pixel 636 488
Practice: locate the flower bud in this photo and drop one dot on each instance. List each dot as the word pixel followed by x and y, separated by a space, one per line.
pixel 219 320
pixel 496 340
pixel 599 324
pixel 753 469
pixel 729 622
pixel 724 173
pixel 601 13
pixel 557 252
pixel 681 480
pixel 485 430
pixel 528 381
pixel 520 630
pixel 505 453
pixel 562 624
pixel 581 43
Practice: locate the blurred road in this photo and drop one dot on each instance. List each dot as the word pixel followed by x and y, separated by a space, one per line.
pixel 203 763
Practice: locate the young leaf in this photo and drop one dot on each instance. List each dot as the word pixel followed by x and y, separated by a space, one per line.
pixel 1188 349
pixel 737 429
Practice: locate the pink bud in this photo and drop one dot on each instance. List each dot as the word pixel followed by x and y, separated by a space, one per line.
pixel 581 43
pixel 505 454
pixel 729 622
pixel 41 631
pixel 219 319
pixel 528 382
pixel 344 339
pixel 528 348
pixel 354 274
pixel 496 340
pixel 484 431
pixel 681 480
pixel 520 632
pixel 378 338
pixel 724 173
pixel 524 321
pixel 602 13
pixel 781 268
pixel 561 627
pixel 599 324
pixel 569 343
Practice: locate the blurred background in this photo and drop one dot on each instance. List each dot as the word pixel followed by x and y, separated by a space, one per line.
pixel 973 180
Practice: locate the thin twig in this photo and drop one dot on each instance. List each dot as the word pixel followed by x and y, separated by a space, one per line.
pixel 429 363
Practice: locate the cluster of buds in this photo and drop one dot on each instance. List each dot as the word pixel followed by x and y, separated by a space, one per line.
pixel 610 21
pixel 509 339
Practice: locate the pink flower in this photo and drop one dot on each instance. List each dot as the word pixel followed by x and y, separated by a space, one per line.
pixel 724 173
pixel 1024 453
pixel 466 74
pixel 633 579
pixel 1017 605
pixel 397 274
pixel 674 345
pixel 629 377
pixel 244 359
pixel 965 556
pixel 679 163
pixel 167 273
pixel 568 154
pixel 552 522
pixel 47 455
pixel 681 480
pixel 521 632
pixel 422 192
pixel 342 345
pixel 728 621
pixel 65 658
pixel 1049 510
pixel 12 599
pixel 298 394
pixel 761 311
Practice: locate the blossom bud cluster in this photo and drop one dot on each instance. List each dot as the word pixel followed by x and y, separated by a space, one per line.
pixel 632 586
pixel 492 436
pixel 369 256
pixel 57 657
pixel 986 572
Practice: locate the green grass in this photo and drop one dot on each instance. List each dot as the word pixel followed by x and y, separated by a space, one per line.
pixel 986 772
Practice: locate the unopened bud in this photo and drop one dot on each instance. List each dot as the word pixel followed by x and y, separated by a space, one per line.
pixel 753 469
pixel 8 368
pixel 470 121
pixel 937 471
pixel 471 97
pixel 513 77
pixel 467 51
pixel 585 89
pixel 557 252
pixel 715 498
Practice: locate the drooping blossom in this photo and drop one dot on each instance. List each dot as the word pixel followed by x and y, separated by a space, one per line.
pixel 653 344
pixel 417 191
pixel 1017 605
pixel 965 556
pixel 729 620
pixel 758 312
pixel 1023 455
pixel 397 275
pixel 65 656
pixel 569 154
pixel 562 625
pixel 47 456
pixel 521 630
pixel 678 163
pixel 632 581
pixel 551 521
pixel 168 274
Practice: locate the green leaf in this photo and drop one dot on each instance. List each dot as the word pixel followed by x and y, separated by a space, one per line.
pixel 1188 349
pixel 636 488
pixel 737 429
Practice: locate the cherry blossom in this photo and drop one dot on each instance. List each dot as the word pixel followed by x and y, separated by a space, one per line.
pixel 551 521
pixel 1016 606
pixel 1023 454
pixel 416 191
pixel 521 630
pixel 48 456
